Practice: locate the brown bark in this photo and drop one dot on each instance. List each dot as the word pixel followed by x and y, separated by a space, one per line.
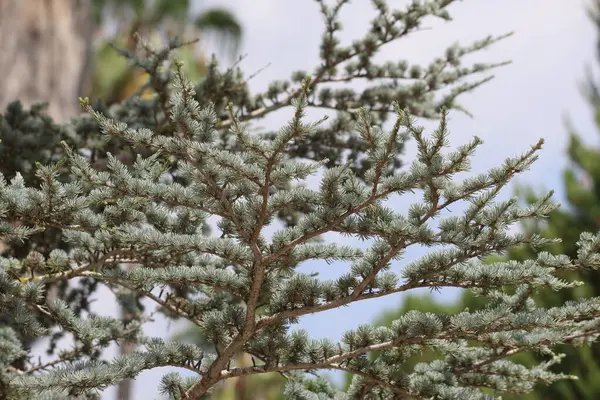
pixel 45 48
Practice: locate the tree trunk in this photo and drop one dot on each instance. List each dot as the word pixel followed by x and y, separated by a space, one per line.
pixel 45 48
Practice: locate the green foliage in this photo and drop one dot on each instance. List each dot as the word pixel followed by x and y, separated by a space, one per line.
pixel 126 191
pixel 580 214
pixel 156 225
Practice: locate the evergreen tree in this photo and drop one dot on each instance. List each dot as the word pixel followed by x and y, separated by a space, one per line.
pixel 36 138
pixel 195 158
pixel 580 214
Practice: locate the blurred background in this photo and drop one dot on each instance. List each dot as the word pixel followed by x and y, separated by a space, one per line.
pixel 58 50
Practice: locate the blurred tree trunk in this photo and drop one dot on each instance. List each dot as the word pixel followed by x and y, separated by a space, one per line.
pixel 125 387
pixel 46 47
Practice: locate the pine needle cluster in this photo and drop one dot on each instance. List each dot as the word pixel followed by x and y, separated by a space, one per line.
pixel 130 213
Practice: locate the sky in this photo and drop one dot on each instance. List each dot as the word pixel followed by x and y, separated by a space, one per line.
pixel 554 41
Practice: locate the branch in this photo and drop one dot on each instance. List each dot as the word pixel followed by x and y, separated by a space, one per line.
pixel 63 275
pixel 321 73
pixel 263 369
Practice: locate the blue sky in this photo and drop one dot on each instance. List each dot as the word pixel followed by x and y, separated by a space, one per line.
pixel 553 42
